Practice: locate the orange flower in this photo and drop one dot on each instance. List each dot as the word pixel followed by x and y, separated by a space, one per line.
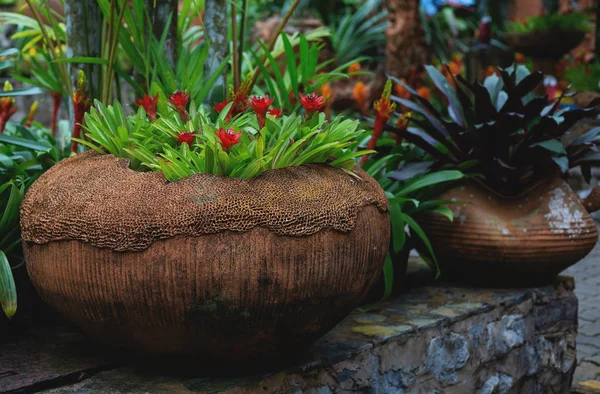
pixel 491 70
pixel 402 124
pixel 326 91
pixel 360 94
pixel 401 91
pixel 424 92
pixel 455 67
pixel 403 120
pixel 354 67
pixel 519 58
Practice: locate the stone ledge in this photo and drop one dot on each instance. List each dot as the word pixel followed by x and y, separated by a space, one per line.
pixel 431 340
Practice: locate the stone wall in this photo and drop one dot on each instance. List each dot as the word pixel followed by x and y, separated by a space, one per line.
pixel 432 340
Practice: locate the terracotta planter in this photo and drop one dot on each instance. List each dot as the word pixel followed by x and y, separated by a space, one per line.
pixel 525 240
pixel 207 265
pixel 546 45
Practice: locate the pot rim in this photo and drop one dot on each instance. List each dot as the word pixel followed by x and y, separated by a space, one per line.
pixel 100 200
pixel 526 191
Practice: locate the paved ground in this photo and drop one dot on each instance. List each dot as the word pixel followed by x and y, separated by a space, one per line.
pixel 587 288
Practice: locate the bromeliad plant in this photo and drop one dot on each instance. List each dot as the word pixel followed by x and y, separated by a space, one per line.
pixel 500 129
pixel 179 139
pixel 411 187
pixel 575 21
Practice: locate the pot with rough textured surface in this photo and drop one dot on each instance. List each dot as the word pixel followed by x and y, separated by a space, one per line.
pixel 511 241
pixel 206 265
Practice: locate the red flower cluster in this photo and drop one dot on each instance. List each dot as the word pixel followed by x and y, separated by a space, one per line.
pixel 186 138
pixel 275 112
pixel 149 104
pixel 383 110
pixel 179 100
pixel 312 103
pixel 260 106
pixel 8 107
pixel 228 137
pixel 81 104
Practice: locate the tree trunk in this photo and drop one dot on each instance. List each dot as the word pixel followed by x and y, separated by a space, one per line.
pixel 84 26
pixel 160 10
pixel 406 44
pixel 597 41
pixel 215 23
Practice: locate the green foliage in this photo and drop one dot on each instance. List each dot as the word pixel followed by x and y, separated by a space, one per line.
pixel 25 154
pixel 355 33
pixel 584 77
pixel 154 145
pixel 411 188
pixel 286 72
pixel 510 136
pixel 577 21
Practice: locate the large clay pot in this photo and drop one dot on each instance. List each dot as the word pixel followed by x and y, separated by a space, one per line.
pixel 503 241
pixel 235 269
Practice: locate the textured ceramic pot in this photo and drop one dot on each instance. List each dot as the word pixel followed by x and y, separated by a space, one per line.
pixel 501 241
pixel 238 269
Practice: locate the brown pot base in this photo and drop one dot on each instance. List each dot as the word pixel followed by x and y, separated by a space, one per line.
pixel 510 241
pixel 241 296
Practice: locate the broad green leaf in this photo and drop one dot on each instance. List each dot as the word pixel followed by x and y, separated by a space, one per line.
pixel 8 290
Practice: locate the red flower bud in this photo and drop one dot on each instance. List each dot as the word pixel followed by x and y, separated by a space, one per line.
pixel 185 137
pixel 383 110
pixel 312 102
pixel 260 106
pixel 228 137
pixel 275 112
pixel 179 100
pixel 8 107
pixel 149 104
pixel 219 107
pixel 81 104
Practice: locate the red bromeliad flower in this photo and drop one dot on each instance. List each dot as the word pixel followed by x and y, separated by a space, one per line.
pixel 185 137
pixel 149 104
pixel 275 112
pixel 179 100
pixel 312 102
pixel 81 104
pixel 8 107
pixel 383 110
pixel 219 107
pixel 260 106
pixel 228 137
